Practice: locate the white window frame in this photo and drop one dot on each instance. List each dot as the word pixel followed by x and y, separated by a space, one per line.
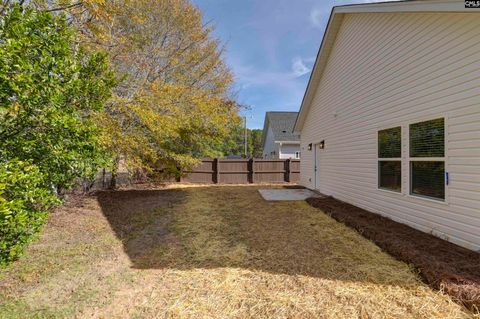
pixel 406 159
pixel 390 159
pixel 444 159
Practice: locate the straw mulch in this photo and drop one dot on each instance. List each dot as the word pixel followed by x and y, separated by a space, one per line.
pixel 212 252
pixel 443 265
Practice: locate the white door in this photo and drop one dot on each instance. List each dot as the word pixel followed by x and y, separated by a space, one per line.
pixel 317 166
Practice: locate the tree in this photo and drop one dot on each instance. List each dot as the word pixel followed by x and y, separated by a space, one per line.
pixel 50 93
pixel 173 105
pixel 234 144
pixel 255 143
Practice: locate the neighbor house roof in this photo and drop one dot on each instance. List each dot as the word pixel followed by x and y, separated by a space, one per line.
pixel 282 126
pixel 335 21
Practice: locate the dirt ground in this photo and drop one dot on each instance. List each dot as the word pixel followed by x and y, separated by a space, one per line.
pixel 209 252
pixel 443 265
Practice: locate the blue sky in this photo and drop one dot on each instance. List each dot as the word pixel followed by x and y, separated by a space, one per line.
pixel 271 47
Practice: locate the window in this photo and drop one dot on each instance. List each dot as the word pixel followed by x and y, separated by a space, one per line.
pixel 427 159
pixel 390 159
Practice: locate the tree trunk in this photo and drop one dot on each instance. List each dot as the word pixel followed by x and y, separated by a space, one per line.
pixel 104 181
pixel 113 180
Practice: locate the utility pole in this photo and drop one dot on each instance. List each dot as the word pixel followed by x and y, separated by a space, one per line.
pixel 245 135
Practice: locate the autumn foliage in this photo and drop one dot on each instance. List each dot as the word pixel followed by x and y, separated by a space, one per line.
pixel 89 84
pixel 174 104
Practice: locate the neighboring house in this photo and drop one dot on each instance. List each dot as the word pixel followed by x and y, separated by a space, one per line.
pixel 279 141
pixel 390 121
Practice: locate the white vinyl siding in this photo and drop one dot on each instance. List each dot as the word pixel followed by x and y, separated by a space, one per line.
pixel 394 69
pixel 289 150
pixel 270 149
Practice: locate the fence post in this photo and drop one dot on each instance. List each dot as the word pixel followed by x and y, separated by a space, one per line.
pixel 216 170
pixel 287 169
pixel 252 171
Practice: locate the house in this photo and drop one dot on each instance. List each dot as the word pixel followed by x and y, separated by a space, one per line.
pixel 390 121
pixel 279 141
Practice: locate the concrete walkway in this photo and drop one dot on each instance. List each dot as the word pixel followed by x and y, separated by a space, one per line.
pixel 286 194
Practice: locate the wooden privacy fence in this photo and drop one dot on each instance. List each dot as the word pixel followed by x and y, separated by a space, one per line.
pixel 243 171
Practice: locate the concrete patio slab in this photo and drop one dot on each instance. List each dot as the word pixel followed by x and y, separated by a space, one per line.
pixel 286 194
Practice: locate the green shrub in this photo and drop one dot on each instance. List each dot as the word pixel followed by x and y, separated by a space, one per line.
pixel 24 201
pixel 51 91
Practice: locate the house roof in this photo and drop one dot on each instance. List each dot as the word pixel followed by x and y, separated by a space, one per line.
pixel 281 124
pixel 335 21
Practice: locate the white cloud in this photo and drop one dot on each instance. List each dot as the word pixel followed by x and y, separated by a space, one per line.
pixel 298 67
pixel 317 17
pixel 248 76
pixel 251 77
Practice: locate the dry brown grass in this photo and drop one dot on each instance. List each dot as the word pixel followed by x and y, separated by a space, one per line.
pixel 210 252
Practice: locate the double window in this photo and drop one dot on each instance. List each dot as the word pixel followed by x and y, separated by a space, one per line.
pixel 426 159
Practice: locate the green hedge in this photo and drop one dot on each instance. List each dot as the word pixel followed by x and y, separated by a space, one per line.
pixel 50 94
pixel 24 202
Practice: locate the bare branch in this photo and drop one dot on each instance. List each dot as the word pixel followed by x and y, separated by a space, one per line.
pixel 65 7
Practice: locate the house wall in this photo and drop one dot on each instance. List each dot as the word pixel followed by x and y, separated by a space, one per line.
pixel 390 69
pixel 288 150
pixel 270 146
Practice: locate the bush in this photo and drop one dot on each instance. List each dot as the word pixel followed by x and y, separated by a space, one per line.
pixel 24 201
pixel 51 91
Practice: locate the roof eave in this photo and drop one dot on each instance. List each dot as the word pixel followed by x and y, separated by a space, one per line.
pixel 333 26
pixel 407 6
pixel 323 53
pixel 287 142
pixel 265 127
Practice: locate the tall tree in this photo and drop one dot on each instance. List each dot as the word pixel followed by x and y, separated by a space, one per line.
pixel 174 104
pixel 255 143
pixel 234 144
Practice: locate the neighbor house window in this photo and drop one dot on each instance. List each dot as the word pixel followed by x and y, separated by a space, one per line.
pixel 427 159
pixel 390 159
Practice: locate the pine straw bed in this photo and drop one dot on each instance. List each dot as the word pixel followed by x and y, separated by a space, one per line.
pixel 443 265
pixel 214 252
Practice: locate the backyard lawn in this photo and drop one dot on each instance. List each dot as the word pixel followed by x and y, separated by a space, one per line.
pixel 208 252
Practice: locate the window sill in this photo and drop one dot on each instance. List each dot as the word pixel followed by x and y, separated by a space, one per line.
pixel 419 197
pixel 389 191
pixel 429 199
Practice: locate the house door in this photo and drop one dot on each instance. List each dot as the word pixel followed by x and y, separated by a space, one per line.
pixel 317 166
